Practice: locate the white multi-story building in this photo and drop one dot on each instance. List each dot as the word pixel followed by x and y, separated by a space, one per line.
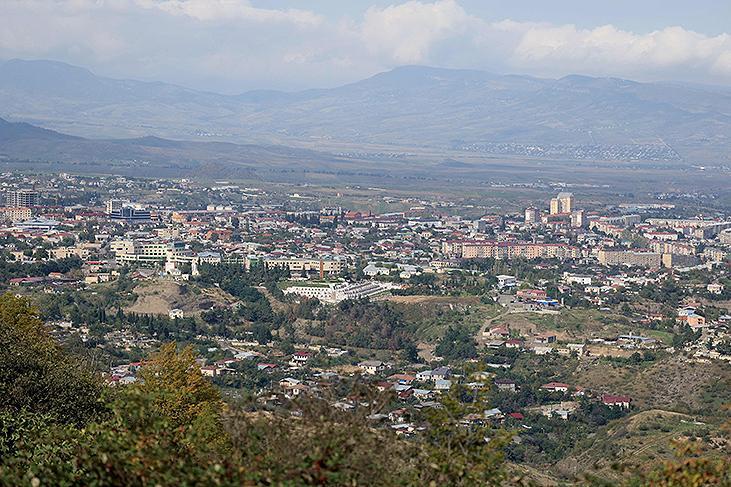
pixel 334 293
pixel 149 251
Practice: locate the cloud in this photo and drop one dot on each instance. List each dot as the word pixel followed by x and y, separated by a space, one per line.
pixel 230 10
pixel 608 50
pixel 406 33
pixel 233 45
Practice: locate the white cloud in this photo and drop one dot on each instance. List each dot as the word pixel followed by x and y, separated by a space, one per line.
pixel 234 45
pixel 407 32
pixel 230 10
pixel 607 50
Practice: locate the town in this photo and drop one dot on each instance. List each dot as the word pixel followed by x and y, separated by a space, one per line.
pixel 566 315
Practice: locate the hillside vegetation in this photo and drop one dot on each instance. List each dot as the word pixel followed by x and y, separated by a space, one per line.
pixel 60 425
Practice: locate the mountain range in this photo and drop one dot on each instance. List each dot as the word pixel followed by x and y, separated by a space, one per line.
pixel 411 107
pixel 31 147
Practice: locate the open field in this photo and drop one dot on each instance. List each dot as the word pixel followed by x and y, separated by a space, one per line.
pixel 161 295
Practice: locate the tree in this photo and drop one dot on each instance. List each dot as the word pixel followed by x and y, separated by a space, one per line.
pixel 456 344
pixel 36 374
pixel 179 391
pixel 262 333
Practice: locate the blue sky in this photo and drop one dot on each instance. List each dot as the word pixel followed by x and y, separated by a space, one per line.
pixel 236 45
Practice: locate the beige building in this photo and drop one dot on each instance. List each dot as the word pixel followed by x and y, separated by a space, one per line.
pixel 299 264
pixel 675 260
pixel 563 203
pixel 82 251
pixel 16 213
pixel 677 248
pixel 630 258
pixel 476 249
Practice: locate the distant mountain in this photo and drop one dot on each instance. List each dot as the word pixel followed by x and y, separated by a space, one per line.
pixel 24 131
pixel 575 117
pixel 26 144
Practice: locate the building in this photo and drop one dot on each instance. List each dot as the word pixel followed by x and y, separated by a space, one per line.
pixel 37 224
pixel 16 213
pixel 583 280
pixel 532 216
pixel 630 258
pixel 677 248
pixel 372 366
pixel 616 401
pixel 673 260
pixel 505 385
pixel 21 198
pixel 335 293
pixel 563 203
pixel 114 205
pixel 692 226
pixel 554 207
pixel 577 219
pixel 715 288
pixel 175 313
pixel 555 387
pixel 147 251
pixel 505 281
pixel 297 264
pixel 477 249
pixel 130 214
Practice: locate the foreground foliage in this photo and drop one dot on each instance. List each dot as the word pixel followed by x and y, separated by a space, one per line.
pixel 61 426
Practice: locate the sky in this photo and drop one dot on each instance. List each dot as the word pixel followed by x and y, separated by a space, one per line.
pixel 233 46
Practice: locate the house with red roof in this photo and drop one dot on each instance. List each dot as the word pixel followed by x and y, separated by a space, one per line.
pixel 616 401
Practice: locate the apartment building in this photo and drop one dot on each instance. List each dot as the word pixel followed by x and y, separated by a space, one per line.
pixel 677 248
pixel 563 203
pixel 304 264
pixel 476 249
pixel 16 213
pixel 631 258
pixel 21 198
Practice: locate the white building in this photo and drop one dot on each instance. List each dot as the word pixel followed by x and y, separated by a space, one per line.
pixel 505 281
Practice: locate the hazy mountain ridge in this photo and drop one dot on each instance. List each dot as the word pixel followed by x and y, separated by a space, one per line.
pixel 411 106
pixel 157 156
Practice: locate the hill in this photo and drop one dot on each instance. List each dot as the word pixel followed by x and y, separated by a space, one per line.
pixel 576 117
pixel 26 146
pixel 640 441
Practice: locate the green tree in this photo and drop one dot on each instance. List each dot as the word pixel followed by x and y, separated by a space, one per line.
pixel 35 374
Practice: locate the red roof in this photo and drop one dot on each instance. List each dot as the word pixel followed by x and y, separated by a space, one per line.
pixel 555 385
pixel 610 399
pixel 516 415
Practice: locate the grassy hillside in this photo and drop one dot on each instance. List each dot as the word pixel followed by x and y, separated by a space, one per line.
pixel 673 383
pixel 639 442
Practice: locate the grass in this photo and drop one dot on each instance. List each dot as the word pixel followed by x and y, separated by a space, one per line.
pixel 638 441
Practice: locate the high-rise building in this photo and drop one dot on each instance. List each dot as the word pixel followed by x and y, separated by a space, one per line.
pixel 563 203
pixel 115 205
pixel 577 219
pixel 532 215
pixel 555 206
pixel 567 202
pixel 21 198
